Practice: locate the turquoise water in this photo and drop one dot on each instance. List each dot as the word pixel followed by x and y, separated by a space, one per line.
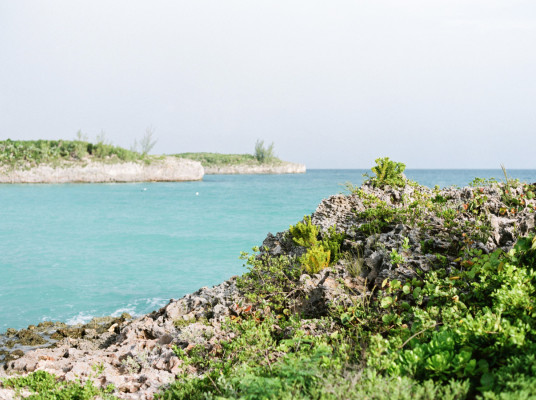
pixel 73 251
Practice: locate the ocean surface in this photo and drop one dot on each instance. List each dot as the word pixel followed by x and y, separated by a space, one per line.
pixel 69 252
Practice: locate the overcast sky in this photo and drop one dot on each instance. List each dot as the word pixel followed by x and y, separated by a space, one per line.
pixel 334 84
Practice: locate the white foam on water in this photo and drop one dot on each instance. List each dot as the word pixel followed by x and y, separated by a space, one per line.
pixel 156 302
pixel 129 309
pixel 81 318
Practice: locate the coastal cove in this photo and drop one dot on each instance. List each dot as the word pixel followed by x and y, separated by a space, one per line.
pixel 73 252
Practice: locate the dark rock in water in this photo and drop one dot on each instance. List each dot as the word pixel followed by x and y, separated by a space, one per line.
pixel 70 332
pixel 11 332
pixel 27 337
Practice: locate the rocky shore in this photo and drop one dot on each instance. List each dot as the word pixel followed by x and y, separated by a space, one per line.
pixel 427 228
pixel 166 169
pixel 282 167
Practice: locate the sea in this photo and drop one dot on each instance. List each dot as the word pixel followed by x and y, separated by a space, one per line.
pixel 71 252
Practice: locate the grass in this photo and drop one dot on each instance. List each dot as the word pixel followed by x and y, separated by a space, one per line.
pixel 223 160
pixel 30 153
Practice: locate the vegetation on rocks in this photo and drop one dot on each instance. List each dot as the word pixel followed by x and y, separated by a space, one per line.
pixel 445 308
pixel 30 153
pixel 394 291
pixel 217 159
pixel 44 386
pixel 262 155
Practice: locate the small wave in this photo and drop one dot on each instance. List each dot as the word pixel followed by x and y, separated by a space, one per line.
pixel 156 302
pixel 81 318
pixel 129 309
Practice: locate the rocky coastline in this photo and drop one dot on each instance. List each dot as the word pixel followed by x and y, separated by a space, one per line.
pixel 139 357
pixel 282 167
pixel 165 169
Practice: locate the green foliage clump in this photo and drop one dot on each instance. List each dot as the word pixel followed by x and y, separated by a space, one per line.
pixel 466 334
pixel 473 324
pixel 30 153
pixel 387 172
pixel 270 281
pixel 315 259
pixel 304 233
pixel 264 154
pixel 320 253
pixel 45 386
pixel 261 363
pixel 332 242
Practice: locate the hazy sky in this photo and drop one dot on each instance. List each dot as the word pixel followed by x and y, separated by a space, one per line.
pixel 334 84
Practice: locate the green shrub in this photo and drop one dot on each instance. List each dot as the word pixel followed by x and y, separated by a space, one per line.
pixel 387 172
pixel 264 154
pixel 332 242
pixel 304 233
pixel 315 259
pixel 270 281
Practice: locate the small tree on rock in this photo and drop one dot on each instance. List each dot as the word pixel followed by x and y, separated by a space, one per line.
pixel 264 154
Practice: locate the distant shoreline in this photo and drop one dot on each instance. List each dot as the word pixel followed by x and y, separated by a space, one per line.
pixel 167 169
pixel 231 164
pixel 63 161
pixel 281 168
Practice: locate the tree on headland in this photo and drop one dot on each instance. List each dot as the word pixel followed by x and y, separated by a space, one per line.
pixel 146 143
pixel 264 154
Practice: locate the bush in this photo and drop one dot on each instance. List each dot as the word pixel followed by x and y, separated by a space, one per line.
pixel 387 172
pixel 315 259
pixel 304 233
pixel 264 154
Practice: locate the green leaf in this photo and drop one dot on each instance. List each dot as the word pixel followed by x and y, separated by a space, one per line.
pixel 406 288
pixel 386 302
pixel 487 380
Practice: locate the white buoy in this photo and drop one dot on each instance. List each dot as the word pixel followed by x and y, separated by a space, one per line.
pixel 197 193
pixel 144 189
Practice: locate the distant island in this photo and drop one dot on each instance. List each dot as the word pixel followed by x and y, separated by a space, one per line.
pixel 63 161
pixel 216 163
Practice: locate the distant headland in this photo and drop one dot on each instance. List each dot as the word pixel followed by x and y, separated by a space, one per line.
pixel 71 161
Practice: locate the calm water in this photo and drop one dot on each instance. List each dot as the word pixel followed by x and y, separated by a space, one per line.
pixel 69 252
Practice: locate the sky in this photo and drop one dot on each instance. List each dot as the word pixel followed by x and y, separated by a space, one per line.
pixel 333 84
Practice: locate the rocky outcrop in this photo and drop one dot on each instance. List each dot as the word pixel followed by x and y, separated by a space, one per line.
pixel 279 168
pixel 166 169
pixel 427 229
pixel 138 356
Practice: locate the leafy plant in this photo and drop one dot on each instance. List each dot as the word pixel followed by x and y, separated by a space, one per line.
pixel 396 258
pixel 315 259
pixel 304 233
pixel 45 386
pixel 332 242
pixel 387 172
pixel 270 281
